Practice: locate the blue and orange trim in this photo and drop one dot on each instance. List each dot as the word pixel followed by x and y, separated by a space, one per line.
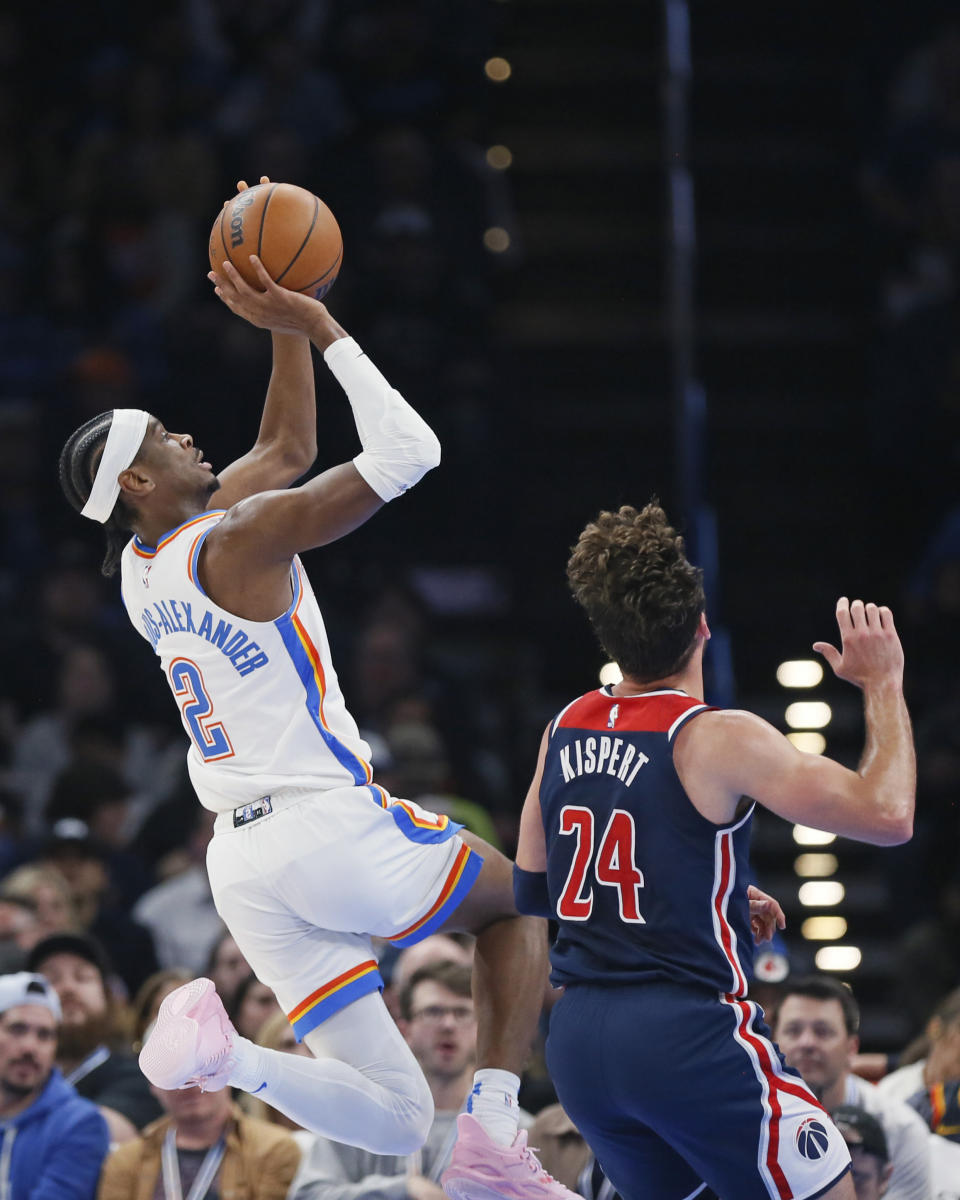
pixel 306 660
pixel 143 551
pixel 459 881
pixel 338 993
pixel 426 828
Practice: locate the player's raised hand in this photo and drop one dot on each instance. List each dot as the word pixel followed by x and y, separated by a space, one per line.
pixel 766 915
pixel 272 307
pixel 870 650
pixel 242 184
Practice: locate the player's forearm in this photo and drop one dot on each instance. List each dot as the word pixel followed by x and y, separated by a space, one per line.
pixel 888 765
pixel 288 427
pixel 399 447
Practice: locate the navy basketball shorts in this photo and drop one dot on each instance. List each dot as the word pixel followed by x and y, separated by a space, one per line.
pixel 678 1090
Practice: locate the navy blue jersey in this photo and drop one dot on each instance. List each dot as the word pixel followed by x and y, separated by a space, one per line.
pixel 642 885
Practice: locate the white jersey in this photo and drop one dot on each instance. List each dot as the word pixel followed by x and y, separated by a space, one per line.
pixel 259 700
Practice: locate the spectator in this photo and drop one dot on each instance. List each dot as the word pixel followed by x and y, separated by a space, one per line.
pixel 253 1004
pixel 867 1143
pixel 227 967
pixel 942 1061
pixel 48 892
pixel 816 1029
pixel 437 1019
pixel 203 1142
pixel 19 930
pixel 438 947
pixel 53 1141
pixel 82 861
pixel 939 1106
pixel 146 1003
pixel 179 912
pixel 90 1054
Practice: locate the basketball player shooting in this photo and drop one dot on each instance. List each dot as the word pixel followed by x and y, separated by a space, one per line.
pixel 635 838
pixel 310 857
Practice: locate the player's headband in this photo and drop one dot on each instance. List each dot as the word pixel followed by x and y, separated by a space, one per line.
pixel 123 441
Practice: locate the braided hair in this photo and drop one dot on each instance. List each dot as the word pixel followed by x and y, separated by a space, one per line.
pixel 79 459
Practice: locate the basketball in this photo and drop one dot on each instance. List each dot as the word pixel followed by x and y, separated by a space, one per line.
pixel 291 231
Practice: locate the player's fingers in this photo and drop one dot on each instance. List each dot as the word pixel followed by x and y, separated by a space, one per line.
pixel 830 653
pixel 261 273
pixel 264 178
pixel 886 619
pixel 857 614
pixel 843 615
pixel 872 614
pixel 242 185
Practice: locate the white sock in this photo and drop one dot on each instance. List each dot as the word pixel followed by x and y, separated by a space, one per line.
pixel 364 1087
pixel 493 1102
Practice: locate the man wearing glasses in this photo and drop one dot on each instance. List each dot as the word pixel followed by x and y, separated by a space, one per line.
pixel 438 1021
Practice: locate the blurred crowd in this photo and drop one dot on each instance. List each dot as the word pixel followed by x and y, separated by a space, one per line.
pixel 137 126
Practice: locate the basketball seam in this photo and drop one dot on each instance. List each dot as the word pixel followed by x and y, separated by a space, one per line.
pixel 316 213
pixel 263 219
pixel 320 278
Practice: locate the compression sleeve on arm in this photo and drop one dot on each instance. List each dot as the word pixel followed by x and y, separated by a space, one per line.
pixel 530 893
pixel 399 447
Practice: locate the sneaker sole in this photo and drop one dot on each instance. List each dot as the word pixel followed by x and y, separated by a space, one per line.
pixel 467 1189
pixel 174 1035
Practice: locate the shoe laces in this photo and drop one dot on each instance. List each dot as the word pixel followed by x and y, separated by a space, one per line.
pixel 536 1166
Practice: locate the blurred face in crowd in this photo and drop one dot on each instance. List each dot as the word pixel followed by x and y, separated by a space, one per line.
pixel 441 1030
pixel 28 1044
pixel 87 1015
pixel 870 1175
pixel 814 1040
pixel 258 1005
pixel 943 1060
pixel 54 909
pixel 191 1108
pixel 229 968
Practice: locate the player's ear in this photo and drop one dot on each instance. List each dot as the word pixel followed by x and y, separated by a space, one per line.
pixel 703 629
pixel 134 482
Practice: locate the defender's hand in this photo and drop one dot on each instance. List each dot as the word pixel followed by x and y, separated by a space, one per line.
pixel 766 915
pixel 870 650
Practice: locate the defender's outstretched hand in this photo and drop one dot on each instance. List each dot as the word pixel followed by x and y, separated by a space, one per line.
pixel 766 915
pixel 870 650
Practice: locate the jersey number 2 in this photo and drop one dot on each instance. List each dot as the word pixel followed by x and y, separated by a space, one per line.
pixel 614 866
pixel 210 738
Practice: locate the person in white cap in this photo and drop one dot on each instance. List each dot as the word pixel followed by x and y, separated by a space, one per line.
pixel 310 858
pixel 52 1142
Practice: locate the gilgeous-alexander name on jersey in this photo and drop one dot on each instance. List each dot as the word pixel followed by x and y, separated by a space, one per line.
pixel 259 700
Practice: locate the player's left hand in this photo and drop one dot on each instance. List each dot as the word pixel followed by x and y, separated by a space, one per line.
pixel 766 915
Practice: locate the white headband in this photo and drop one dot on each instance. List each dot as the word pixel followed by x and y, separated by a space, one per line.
pixel 123 441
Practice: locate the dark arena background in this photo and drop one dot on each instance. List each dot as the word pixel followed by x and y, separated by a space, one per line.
pixel 610 250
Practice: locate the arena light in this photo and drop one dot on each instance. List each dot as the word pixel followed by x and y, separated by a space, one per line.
pixel 496 239
pixel 497 70
pixel 821 893
pixel 499 157
pixel 808 714
pixel 810 866
pixel 823 929
pixel 838 958
pixel 610 675
pixel 799 673
pixel 808 740
pixel 803 835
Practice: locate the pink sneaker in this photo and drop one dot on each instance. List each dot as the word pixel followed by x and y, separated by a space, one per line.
pixel 482 1170
pixel 191 1040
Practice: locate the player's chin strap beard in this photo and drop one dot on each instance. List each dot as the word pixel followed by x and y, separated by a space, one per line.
pixel 124 439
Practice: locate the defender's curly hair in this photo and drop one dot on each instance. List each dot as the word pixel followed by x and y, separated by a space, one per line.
pixel 630 573
pixel 78 467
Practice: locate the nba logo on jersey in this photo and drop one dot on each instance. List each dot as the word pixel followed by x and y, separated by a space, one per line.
pixel 812 1139
pixel 614 713
pixel 143 578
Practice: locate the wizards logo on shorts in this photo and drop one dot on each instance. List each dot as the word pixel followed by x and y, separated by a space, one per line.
pixel 813 1141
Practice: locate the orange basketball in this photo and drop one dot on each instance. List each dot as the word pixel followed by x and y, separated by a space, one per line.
pixel 292 232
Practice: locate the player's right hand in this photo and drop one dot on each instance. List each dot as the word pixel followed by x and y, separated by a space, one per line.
pixel 273 307
pixel 870 650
